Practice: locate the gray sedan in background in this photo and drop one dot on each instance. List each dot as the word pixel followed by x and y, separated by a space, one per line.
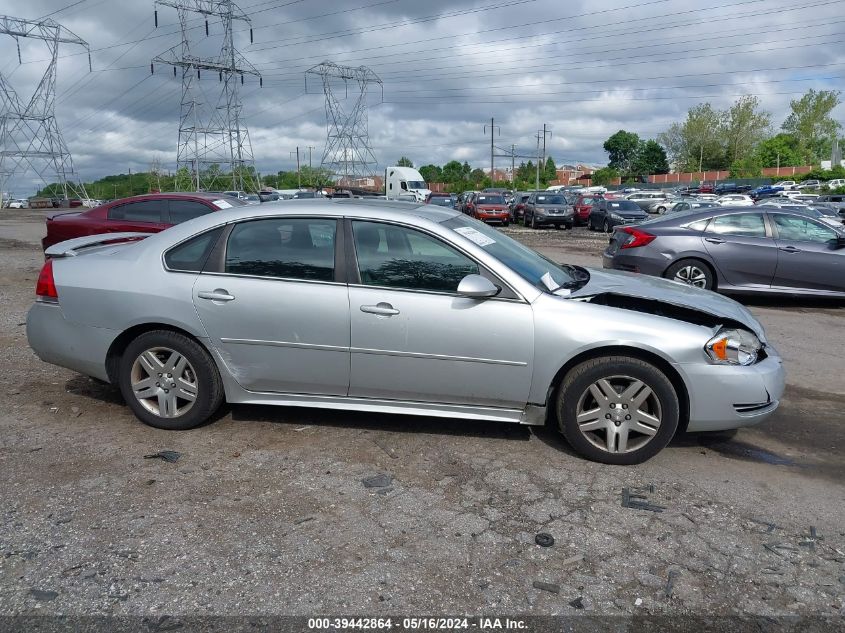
pixel 397 308
pixel 764 250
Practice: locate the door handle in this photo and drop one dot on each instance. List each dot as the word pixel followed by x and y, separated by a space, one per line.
pixel 789 249
pixel 217 295
pixel 383 309
pixel 714 240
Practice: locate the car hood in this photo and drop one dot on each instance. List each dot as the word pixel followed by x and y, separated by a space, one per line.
pixel 670 292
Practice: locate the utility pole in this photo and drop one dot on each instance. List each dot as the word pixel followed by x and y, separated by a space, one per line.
pixel 493 128
pixel 545 132
pixel 298 173
pixel 130 181
pixel 537 181
pixel 513 163
pixel 310 168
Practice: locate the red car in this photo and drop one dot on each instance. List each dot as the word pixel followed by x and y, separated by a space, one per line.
pixel 149 213
pixel 489 207
pixel 583 205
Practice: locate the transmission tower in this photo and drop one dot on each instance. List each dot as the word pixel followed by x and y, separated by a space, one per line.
pixel 29 133
pixel 211 131
pixel 348 152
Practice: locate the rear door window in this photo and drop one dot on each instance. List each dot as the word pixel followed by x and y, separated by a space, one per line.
pixel 152 211
pixel 184 210
pixel 741 224
pixel 191 256
pixel 290 248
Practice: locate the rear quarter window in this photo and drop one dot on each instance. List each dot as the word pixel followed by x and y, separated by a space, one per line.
pixel 190 256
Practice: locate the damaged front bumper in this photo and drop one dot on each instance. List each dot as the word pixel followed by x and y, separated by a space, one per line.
pixel 731 396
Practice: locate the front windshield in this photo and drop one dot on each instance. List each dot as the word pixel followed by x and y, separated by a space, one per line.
pixel 416 184
pixel 546 199
pixel 490 198
pixel 530 265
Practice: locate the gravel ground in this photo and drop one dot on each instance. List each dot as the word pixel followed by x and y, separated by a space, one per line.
pixel 266 510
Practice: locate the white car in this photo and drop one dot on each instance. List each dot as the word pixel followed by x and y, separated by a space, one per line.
pixel 707 197
pixel 19 204
pixel 836 183
pixel 736 200
pixel 786 184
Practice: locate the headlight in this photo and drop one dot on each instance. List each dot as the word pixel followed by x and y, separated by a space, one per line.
pixel 733 347
pixel 617 217
pixel 540 211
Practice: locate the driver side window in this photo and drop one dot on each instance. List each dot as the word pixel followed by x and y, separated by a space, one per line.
pixel 399 257
pixel 799 229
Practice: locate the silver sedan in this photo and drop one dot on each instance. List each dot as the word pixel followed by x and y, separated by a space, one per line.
pixel 397 308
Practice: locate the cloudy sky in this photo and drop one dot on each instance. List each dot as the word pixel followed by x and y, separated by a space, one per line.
pixel 587 69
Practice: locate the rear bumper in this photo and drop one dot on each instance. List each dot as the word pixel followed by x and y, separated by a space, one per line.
pixel 633 262
pixel 58 341
pixel 729 397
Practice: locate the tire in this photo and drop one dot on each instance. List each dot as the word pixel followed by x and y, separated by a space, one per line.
pixel 605 226
pixel 661 210
pixel 505 223
pixel 590 226
pixel 658 409
pixel 534 222
pixel 693 272
pixel 155 350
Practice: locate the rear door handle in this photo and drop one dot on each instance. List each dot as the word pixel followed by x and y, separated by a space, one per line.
pixel 383 309
pixel 714 240
pixel 789 249
pixel 217 295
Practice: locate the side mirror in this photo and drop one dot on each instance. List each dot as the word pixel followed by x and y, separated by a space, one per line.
pixel 477 287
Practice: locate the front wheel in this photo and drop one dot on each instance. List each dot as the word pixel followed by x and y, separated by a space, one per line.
pixel 606 226
pixel 617 410
pixel 533 221
pixel 691 272
pixel 169 380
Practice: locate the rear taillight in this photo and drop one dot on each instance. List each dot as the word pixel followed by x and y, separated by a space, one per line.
pixel 46 286
pixel 632 238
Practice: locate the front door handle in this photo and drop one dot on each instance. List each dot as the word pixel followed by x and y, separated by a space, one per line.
pixel 789 249
pixel 714 240
pixel 218 294
pixel 383 309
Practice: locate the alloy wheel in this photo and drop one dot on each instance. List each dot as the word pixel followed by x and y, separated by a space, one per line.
pixel 619 414
pixel 164 382
pixel 691 275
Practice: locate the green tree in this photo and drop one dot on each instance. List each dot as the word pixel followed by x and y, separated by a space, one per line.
pixel 453 171
pixel 527 173
pixel 404 162
pixel 810 122
pixel 604 176
pixel 477 176
pixel 781 150
pixel 744 125
pixel 549 172
pixel 184 180
pixel 622 149
pixel 747 167
pixel 650 159
pixel 431 173
pixel 695 144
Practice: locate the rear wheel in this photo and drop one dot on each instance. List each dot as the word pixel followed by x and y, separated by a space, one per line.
pixel 605 226
pixel 692 272
pixel 661 209
pixel 617 410
pixel 169 381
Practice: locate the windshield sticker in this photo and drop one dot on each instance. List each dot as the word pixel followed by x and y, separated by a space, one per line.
pixel 222 204
pixel 475 236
